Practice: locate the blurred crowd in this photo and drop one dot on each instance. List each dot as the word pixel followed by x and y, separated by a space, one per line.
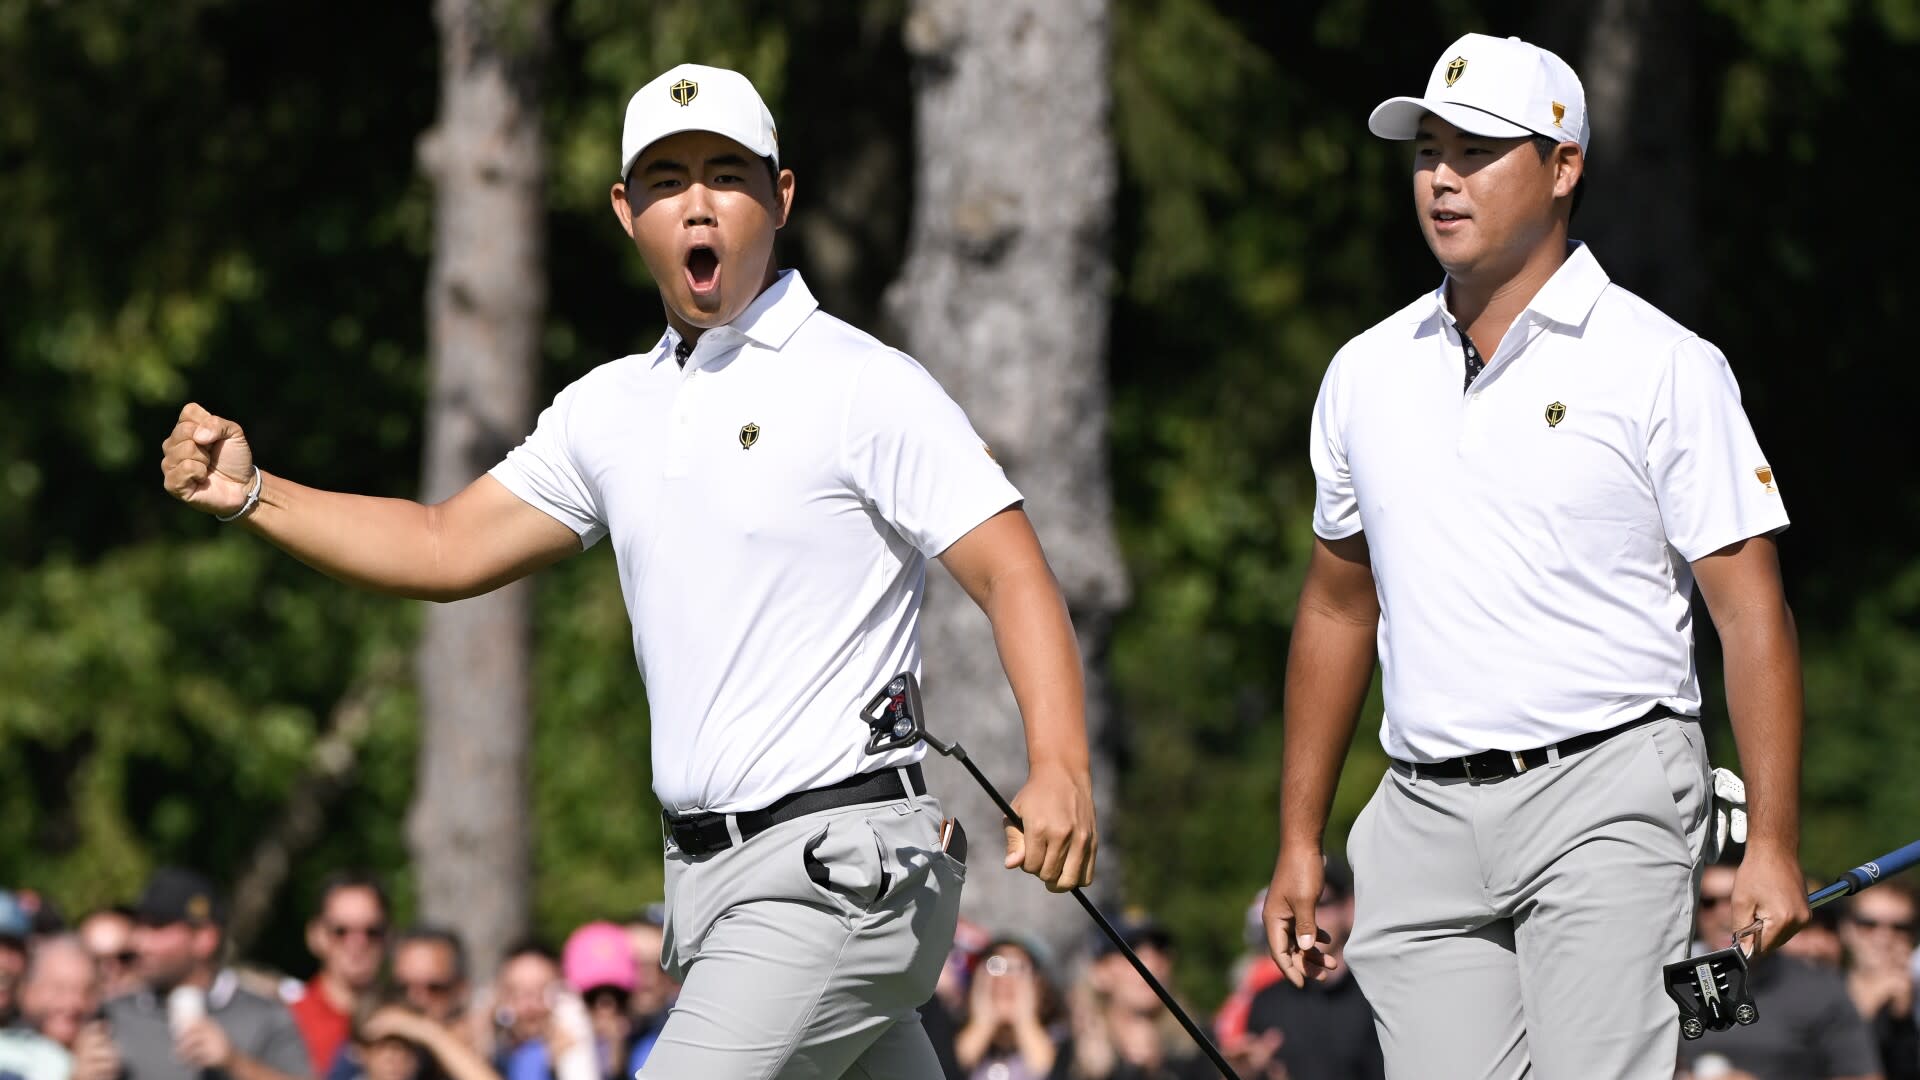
pixel 150 991
pixel 1016 1012
pixel 1837 1000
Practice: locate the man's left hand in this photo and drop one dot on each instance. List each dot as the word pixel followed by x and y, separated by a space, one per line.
pixel 204 1045
pixel 1058 844
pixel 1770 888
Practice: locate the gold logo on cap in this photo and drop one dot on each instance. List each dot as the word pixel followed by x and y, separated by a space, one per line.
pixel 1456 69
pixel 199 909
pixel 1765 475
pixel 749 435
pixel 1556 412
pixel 1559 113
pixel 684 92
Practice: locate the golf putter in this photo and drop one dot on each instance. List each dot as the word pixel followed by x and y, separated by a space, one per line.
pixel 1713 989
pixel 894 720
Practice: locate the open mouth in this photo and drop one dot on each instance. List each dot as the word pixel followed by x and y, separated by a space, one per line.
pixel 703 269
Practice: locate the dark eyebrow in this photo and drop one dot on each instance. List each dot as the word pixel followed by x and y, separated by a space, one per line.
pixel 663 165
pixel 734 160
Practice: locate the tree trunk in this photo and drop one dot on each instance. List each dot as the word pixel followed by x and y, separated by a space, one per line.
pixel 1004 297
pixel 486 295
pixel 1639 212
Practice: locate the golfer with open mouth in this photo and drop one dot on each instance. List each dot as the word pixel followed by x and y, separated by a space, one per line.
pixel 773 482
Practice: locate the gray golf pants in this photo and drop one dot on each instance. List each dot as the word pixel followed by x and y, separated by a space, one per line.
pixel 1516 928
pixel 806 951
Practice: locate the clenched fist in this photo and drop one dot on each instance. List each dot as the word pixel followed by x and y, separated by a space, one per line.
pixel 206 462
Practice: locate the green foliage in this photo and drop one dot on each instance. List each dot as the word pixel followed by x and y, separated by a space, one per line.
pixel 205 200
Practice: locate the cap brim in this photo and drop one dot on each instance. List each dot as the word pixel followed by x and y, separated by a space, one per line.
pixel 1399 118
pixel 626 173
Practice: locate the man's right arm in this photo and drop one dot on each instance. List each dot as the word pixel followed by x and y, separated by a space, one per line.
pixel 1329 666
pixel 476 541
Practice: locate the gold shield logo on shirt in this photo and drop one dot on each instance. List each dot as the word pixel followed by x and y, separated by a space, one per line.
pixel 1765 474
pixel 1456 69
pixel 1556 412
pixel 749 435
pixel 684 92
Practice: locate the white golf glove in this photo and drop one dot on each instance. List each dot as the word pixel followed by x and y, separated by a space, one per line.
pixel 1729 813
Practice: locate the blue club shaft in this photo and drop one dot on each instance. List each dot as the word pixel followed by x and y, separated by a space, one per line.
pixel 1867 873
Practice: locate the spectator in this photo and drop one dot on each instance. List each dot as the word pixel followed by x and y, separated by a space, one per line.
pixel 191 1019
pixel 16 926
pixel 395 1041
pixel 1121 1030
pixel 1878 931
pixel 1253 972
pixel 1013 1016
pixel 1325 1029
pixel 61 992
pixel 544 1031
pixel 521 1003
pixel 108 936
pixel 48 922
pixel 430 973
pixel 653 989
pixel 348 936
pixel 598 964
pixel 58 993
pixel 942 1013
pixel 1808 1028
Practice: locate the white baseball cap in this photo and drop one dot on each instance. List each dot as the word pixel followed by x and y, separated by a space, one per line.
pixel 694 97
pixel 1503 88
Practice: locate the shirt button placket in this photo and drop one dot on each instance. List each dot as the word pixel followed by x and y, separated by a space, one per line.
pixel 678 439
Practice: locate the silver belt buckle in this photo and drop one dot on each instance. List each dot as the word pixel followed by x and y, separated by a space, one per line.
pixel 1519 762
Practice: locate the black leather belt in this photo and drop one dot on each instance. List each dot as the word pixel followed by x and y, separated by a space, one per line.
pixel 704 834
pixel 1501 764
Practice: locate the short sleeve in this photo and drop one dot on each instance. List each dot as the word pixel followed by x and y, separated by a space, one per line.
pixel 911 453
pixel 1336 509
pixel 281 1047
pixel 544 472
pixel 1713 484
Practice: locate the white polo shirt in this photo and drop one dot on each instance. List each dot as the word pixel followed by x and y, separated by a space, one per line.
pixel 1532 536
pixel 772 508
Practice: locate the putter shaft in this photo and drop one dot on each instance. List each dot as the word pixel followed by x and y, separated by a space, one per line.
pixel 959 753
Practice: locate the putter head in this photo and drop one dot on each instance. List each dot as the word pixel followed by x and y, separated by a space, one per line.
pixel 893 716
pixel 1712 991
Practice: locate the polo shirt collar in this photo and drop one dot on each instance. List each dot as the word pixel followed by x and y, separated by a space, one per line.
pixel 768 322
pixel 1569 295
pixel 1566 299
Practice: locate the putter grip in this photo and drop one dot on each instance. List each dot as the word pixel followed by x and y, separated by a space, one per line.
pixel 1870 873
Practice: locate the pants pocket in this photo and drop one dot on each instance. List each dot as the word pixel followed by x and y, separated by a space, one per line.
pixel 676 950
pixel 865 858
pixel 1681 754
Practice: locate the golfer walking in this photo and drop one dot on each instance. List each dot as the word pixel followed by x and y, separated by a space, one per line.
pixel 1520 478
pixel 773 482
